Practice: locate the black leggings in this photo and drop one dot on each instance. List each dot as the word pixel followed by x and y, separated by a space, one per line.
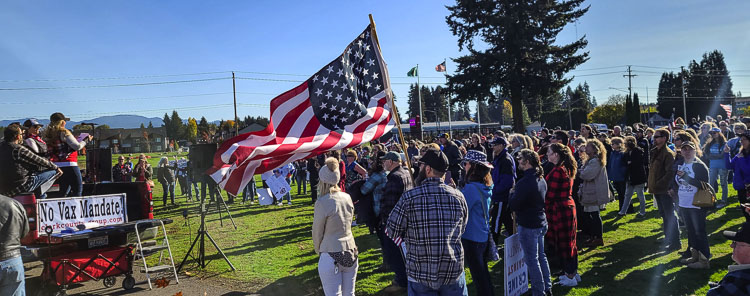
pixel 592 224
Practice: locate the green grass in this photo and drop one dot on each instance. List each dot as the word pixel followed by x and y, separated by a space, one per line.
pixel 273 252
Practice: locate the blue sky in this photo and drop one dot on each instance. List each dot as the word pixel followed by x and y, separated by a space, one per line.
pixel 73 48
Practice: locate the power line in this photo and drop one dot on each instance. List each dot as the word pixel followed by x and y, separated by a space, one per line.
pixel 115 85
pixel 116 78
pixel 31 101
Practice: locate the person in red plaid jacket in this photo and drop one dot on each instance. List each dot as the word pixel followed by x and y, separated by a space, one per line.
pixel 561 212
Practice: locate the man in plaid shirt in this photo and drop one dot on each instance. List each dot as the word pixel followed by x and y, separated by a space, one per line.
pixel 22 170
pixel 737 280
pixel 429 220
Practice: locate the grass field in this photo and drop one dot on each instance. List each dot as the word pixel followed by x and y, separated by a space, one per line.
pixel 273 252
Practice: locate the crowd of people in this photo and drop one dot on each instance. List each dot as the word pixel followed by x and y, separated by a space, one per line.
pixel 455 202
pixel 438 206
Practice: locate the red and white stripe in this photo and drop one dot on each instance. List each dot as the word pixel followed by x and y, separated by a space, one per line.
pixel 295 133
pixel 727 108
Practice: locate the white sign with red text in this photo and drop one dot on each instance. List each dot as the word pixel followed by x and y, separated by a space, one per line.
pixel 516 278
pixel 63 213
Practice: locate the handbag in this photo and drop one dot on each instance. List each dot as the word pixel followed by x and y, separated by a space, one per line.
pixel 705 197
pixel 490 253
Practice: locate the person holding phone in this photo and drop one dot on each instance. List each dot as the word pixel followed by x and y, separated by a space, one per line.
pixel 143 171
pixel 63 151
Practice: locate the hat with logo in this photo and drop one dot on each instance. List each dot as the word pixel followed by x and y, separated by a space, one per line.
pixel 31 122
pixel 499 140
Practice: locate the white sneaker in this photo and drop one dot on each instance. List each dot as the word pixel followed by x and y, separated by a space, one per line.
pixel 568 282
pixel 578 278
pixel 279 204
pixel 289 203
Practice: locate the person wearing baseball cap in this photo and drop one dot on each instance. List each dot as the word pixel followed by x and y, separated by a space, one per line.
pixel 690 174
pixel 450 149
pixel 737 280
pixel 63 151
pixel 398 181
pixel 477 190
pixel 503 177
pixel 431 214
pixel 31 138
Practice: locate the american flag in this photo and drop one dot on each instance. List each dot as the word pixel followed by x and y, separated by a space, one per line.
pixel 727 108
pixel 440 67
pixel 345 104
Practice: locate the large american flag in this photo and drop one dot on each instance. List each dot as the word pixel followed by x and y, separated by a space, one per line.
pixel 345 104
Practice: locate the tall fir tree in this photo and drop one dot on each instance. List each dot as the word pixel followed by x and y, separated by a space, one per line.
pixel 636 109
pixel 509 30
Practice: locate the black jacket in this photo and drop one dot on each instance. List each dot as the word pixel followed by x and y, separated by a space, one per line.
pixel 635 173
pixel 397 182
pixel 454 155
pixel 14 225
pixel 528 200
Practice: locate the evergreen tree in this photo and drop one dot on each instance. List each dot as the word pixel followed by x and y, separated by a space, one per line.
pixel 177 128
pixel 142 127
pixel 628 115
pixel 150 125
pixel 707 83
pixel 166 125
pixel 636 109
pixel 509 31
pixel 483 112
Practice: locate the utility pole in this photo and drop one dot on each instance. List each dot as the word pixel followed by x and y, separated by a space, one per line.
pixel 630 82
pixel 684 105
pixel 421 114
pixel 648 106
pixel 236 122
pixel 450 106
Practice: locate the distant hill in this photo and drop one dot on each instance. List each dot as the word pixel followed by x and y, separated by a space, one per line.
pixel 114 121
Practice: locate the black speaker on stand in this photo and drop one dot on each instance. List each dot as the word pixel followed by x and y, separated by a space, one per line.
pixel 98 165
pixel 201 159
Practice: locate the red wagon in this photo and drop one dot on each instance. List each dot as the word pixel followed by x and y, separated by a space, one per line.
pixel 97 264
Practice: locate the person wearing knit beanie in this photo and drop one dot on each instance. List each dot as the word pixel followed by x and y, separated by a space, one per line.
pixel 332 234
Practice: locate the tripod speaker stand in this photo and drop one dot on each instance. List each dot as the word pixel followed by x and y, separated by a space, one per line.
pixel 201 156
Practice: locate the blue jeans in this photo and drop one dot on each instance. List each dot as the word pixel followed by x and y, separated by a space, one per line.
pixel 288 194
pixel 12 278
pixel 722 174
pixel 168 190
pixel 457 288
pixel 474 258
pixel 38 179
pixel 669 220
pixel 532 243
pixel 628 198
pixel 695 222
pixel 71 183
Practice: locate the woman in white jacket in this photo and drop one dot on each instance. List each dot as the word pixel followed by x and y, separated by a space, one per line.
pixel 594 191
pixel 332 233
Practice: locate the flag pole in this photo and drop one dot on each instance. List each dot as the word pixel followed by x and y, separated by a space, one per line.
pixel 393 105
pixel 421 115
pixel 450 107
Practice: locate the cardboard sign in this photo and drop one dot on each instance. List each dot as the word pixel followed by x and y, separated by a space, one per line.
pixel 62 213
pixel 264 197
pixel 516 276
pixel 278 186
